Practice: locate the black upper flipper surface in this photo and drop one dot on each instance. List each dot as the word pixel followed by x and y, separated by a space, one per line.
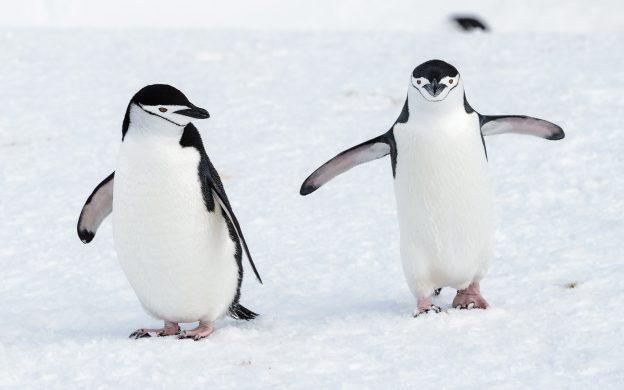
pixel 211 184
pixel 372 149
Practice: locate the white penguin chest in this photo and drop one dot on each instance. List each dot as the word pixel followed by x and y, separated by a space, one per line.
pixel 177 256
pixel 443 199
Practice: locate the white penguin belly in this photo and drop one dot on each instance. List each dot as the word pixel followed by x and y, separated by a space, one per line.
pixel 178 257
pixel 443 204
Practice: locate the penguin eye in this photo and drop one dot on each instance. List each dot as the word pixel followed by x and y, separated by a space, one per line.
pixel 162 109
pixel 450 81
pixel 418 82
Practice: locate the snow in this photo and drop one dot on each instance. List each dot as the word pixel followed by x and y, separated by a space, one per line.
pixel 335 309
pixel 319 15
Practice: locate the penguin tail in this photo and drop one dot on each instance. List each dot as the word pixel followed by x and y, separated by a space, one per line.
pixel 240 312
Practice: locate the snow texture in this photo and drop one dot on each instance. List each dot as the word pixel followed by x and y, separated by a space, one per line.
pixel 335 309
pixel 319 15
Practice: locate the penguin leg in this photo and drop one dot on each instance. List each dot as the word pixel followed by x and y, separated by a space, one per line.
pixel 204 329
pixel 425 305
pixel 169 329
pixel 470 297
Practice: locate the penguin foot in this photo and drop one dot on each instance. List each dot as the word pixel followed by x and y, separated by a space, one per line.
pixel 430 309
pixel 204 329
pixel 425 305
pixel 470 298
pixel 170 329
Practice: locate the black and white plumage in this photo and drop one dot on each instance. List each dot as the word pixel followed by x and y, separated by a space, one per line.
pixel 438 161
pixel 176 235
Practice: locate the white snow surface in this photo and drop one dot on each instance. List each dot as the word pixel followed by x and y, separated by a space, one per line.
pixel 335 308
pixel 318 15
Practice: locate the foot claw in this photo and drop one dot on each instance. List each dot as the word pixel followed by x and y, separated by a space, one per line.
pixel 472 305
pixel 430 309
pixel 470 298
pixel 204 329
pixel 195 337
pixel 169 329
pixel 139 334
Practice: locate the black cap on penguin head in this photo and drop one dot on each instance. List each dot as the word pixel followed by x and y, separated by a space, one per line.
pixel 162 94
pixel 435 70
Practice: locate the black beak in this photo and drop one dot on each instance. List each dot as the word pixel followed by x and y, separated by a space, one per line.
pixel 194 112
pixel 434 88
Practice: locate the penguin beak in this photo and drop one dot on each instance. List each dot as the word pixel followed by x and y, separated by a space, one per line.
pixel 194 112
pixel 434 88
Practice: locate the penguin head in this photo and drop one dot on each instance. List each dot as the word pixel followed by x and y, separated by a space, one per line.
pixel 435 80
pixel 162 102
pixel 168 103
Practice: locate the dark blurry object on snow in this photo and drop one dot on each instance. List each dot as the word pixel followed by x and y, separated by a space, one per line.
pixel 469 23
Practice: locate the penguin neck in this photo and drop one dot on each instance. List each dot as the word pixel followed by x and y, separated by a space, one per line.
pixel 421 107
pixel 144 124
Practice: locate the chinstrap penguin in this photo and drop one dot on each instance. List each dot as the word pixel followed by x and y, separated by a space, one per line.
pixel 176 236
pixel 441 186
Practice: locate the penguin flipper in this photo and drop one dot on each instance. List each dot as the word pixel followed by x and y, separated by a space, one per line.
pixel 520 124
pixel 225 206
pixel 212 187
pixel 97 207
pixel 372 149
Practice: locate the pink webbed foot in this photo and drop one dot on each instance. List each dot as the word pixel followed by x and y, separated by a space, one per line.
pixel 170 329
pixel 204 329
pixel 425 305
pixel 470 298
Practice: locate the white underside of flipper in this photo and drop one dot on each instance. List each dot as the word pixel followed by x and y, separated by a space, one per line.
pixel 178 257
pixel 443 201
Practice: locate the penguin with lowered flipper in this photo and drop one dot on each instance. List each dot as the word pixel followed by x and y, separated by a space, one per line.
pixel 176 236
pixel 439 164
